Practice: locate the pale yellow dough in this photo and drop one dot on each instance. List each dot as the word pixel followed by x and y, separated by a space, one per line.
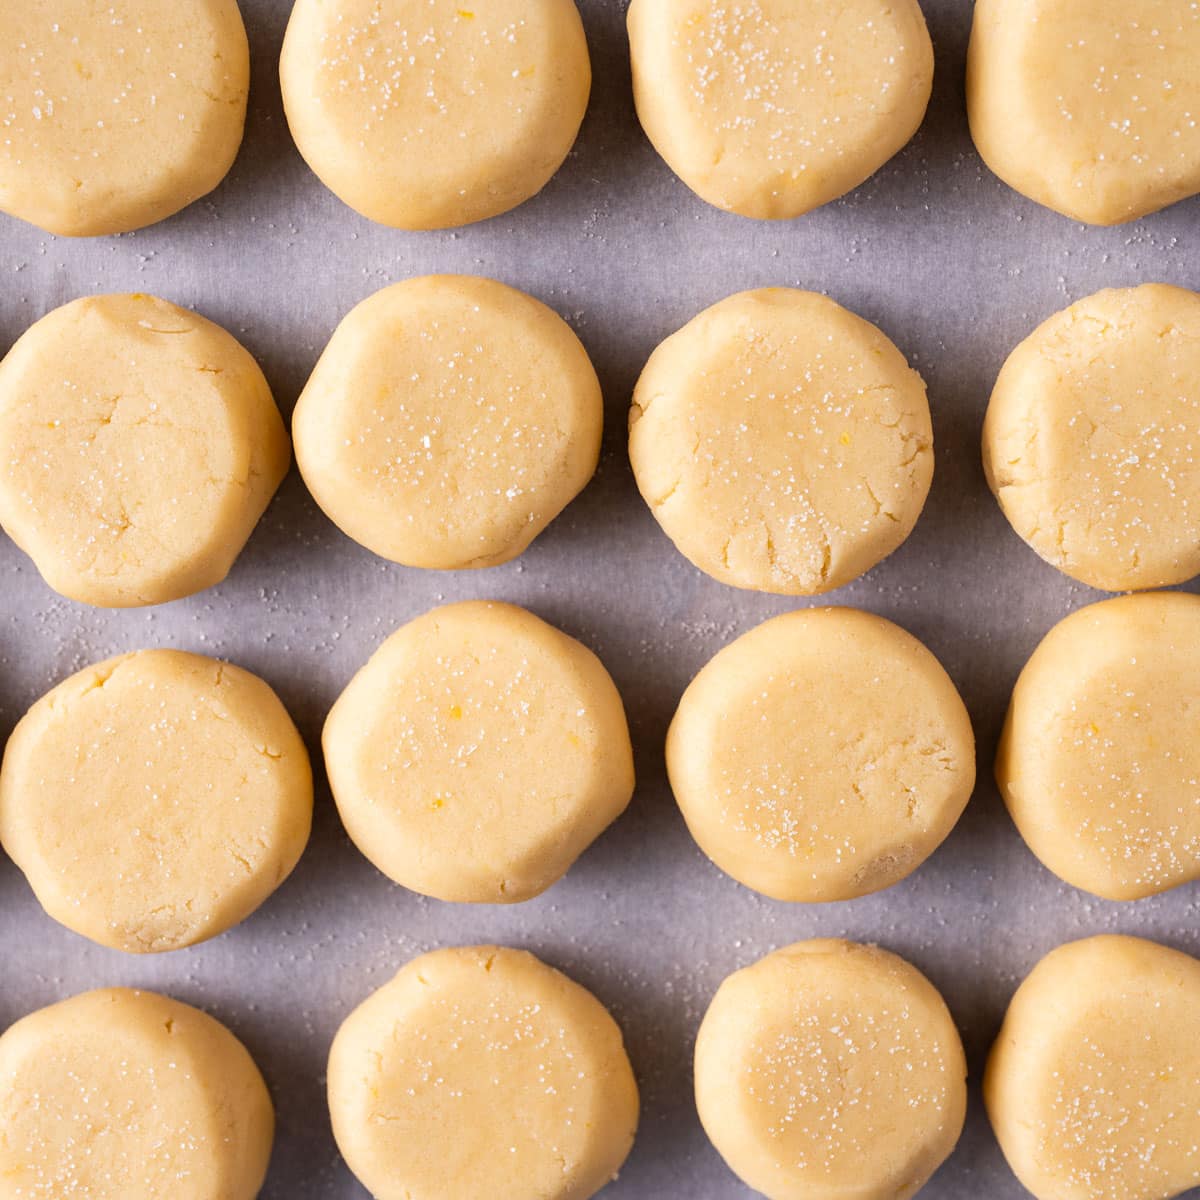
pixel 156 799
pixel 478 753
pixel 139 445
pixel 830 1069
pixel 1091 109
pixel 1092 438
pixel 448 422
pixel 482 1072
pixel 123 1095
pixel 427 114
pixel 782 442
pixel 1099 758
pixel 770 108
pixel 1092 1083
pixel 821 756
pixel 117 114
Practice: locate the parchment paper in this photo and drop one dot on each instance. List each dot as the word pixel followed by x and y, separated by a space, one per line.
pixel 950 263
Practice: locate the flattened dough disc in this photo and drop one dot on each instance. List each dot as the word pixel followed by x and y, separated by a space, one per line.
pixel 117 114
pixel 427 114
pixel 1092 109
pixel 822 756
pixel 123 1095
pixel 782 442
pixel 831 1069
pixel 770 108
pixel 482 1072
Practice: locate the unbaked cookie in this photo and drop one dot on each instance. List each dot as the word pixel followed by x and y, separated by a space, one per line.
pixel 426 114
pixel 769 108
pixel 156 799
pixel 1092 1083
pixel 782 442
pixel 1099 758
pixel 482 1072
pixel 139 445
pixel 448 422
pixel 1092 438
pixel 119 114
pixel 478 753
pixel 1090 109
pixel 831 1069
pixel 821 756
pixel 122 1095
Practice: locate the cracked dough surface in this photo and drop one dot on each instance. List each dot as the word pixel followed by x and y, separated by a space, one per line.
pixel 117 115
pixel 1099 759
pixel 782 442
pixel 770 108
pixel 482 1072
pixel 1092 438
pixel 1089 109
pixel 1092 1089
pixel 156 799
pixel 448 422
pixel 139 445
pixel 428 114
pixel 798 770
pixel 478 753
pixel 124 1095
pixel 831 1069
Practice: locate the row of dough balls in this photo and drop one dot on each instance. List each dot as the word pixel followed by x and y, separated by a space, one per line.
pixel 425 114
pixel 825 1068
pixel 157 799
pixel 783 443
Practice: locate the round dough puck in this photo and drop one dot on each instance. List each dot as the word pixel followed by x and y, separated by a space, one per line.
pixel 1099 757
pixel 123 1095
pixel 139 445
pixel 482 1072
pixel 427 114
pixel 1092 1083
pixel 448 422
pixel 478 753
pixel 1092 438
pixel 782 442
pixel 775 107
pixel 156 799
pixel 831 1069
pixel 1088 109
pixel 822 756
pixel 117 115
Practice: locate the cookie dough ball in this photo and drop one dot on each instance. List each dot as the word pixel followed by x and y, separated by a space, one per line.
pixel 1092 1084
pixel 122 1095
pixel 831 1069
pixel 782 443
pixel 822 756
pixel 478 753
pixel 1089 109
pixel 1092 438
pixel 773 108
pixel 426 114
pixel 448 422
pixel 482 1072
pixel 119 114
pixel 139 445
pixel 156 799
pixel 1099 757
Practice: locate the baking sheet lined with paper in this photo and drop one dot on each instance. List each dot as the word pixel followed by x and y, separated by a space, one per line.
pixel 949 262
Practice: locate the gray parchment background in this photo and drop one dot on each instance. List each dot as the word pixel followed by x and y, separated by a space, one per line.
pixel 949 262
